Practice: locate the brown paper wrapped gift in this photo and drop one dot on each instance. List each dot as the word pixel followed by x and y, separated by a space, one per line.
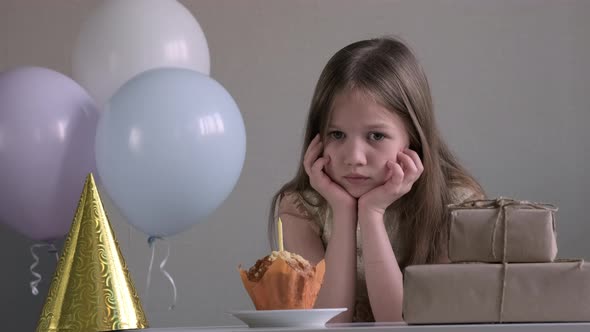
pixel 502 230
pixel 484 293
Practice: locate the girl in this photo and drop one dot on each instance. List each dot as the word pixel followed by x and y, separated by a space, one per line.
pixel 375 178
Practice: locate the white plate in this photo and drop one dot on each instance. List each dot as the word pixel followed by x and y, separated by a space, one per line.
pixel 287 318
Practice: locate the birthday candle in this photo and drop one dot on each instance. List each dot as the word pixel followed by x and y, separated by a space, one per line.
pixel 280 231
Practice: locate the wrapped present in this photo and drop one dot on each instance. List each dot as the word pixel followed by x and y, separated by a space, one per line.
pixel 490 293
pixel 502 230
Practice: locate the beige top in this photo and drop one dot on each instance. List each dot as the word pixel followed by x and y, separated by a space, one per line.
pixel 322 224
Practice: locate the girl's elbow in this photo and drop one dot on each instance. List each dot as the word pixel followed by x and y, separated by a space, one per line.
pixel 345 317
pixel 387 317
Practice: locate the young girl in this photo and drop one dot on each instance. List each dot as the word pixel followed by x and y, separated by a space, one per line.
pixel 375 178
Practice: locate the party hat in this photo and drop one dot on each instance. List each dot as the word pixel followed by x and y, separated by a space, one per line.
pixel 91 289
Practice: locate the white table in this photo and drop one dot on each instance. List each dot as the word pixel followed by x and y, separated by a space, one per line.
pixel 394 327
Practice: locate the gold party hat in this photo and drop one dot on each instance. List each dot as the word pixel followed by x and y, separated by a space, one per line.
pixel 91 289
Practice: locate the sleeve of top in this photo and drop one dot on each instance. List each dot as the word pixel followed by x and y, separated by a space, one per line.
pixel 292 204
pixel 463 194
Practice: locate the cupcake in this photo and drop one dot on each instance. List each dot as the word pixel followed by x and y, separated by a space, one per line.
pixel 283 280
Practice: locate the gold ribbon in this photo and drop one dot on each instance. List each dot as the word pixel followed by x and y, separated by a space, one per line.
pixel 501 204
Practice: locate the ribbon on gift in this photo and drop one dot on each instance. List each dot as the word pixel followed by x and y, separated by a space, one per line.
pixel 501 204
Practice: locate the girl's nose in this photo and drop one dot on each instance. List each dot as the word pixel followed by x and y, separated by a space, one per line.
pixel 354 154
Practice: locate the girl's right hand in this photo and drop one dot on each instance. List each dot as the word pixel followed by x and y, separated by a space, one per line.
pixel 314 165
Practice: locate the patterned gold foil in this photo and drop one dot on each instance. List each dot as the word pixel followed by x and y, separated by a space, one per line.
pixel 91 289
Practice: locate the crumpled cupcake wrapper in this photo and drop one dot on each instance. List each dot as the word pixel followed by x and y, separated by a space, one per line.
pixel 282 287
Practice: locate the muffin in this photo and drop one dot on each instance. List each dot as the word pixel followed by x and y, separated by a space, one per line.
pixel 283 280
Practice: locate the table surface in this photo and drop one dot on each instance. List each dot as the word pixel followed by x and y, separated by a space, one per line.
pixel 394 327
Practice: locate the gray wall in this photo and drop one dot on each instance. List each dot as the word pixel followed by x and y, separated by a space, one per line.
pixel 509 79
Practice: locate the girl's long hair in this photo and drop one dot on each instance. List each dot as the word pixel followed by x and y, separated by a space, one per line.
pixel 386 69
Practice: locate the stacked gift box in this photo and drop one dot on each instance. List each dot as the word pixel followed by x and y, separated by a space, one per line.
pixel 502 269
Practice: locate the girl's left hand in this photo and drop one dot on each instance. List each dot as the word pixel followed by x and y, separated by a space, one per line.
pixel 400 178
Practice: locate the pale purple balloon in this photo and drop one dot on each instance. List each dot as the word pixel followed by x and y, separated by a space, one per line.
pixel 47 133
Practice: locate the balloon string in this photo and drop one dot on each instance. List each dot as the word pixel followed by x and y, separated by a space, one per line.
pixel 149 274
pixel 168 276
pixel 151 243
pixel 37 276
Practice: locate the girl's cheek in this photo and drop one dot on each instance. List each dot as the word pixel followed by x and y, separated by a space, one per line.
pixel 330 166
pixel 329 170
pixel 384 173
pixel 327 151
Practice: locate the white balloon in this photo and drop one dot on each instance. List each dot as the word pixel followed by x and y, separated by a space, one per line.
pixel 122 38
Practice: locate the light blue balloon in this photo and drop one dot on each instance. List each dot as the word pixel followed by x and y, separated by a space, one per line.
pixel 170 149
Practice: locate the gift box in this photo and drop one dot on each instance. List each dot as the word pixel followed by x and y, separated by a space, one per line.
pixel 502 230
pixel 487 293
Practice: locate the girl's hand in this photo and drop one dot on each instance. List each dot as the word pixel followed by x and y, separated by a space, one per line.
pixel 314 165
pixel 400 178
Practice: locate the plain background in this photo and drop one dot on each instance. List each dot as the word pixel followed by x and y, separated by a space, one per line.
pixel 510 82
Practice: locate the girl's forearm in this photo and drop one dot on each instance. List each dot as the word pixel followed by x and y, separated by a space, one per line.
pixel 384 277
pixel 339 289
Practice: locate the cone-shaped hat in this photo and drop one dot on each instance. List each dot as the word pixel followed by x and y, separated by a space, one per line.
pixel 91 289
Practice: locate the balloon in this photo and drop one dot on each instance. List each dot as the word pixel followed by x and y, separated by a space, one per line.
pixel 121 39
pixel 170 149
pixel 47 131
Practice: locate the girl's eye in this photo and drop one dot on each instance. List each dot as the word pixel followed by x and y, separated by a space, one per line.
pixel 336 134
pixel 376 136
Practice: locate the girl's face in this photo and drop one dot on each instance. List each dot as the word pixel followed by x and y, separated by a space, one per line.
pixel 362 136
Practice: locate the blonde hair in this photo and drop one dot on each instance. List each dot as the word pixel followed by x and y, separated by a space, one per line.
pixel 386 69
